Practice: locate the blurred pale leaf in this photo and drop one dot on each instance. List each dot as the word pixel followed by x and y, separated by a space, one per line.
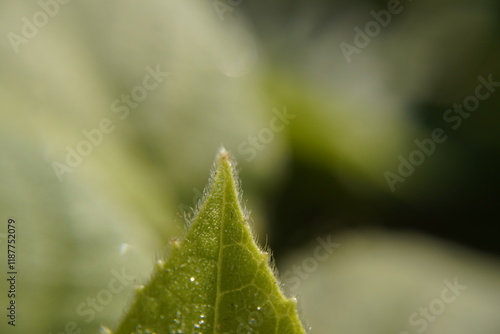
pixel 374 282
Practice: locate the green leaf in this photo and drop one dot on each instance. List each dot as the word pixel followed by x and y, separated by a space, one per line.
pixel 216 280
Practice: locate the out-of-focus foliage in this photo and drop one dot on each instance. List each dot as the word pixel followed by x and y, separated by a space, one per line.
pixel 386 283
pixel 229 75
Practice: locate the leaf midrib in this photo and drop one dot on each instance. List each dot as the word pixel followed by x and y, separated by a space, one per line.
pixel 219 266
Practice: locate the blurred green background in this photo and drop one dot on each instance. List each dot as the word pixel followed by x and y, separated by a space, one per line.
pixel 314 131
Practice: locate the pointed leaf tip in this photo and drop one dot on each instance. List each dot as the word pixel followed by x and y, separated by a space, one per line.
pixel 216 280
pixel 223 152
